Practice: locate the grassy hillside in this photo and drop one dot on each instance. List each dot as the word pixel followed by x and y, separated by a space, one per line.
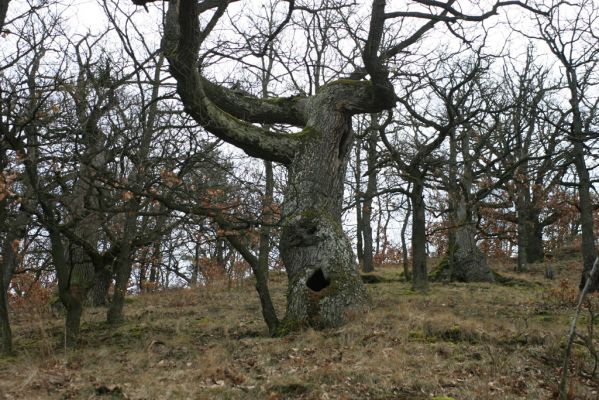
pixel 464 341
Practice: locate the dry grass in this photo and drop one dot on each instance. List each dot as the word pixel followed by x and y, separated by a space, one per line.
pixel 464 341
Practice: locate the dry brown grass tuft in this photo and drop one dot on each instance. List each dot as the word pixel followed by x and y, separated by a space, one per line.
pixel 466 341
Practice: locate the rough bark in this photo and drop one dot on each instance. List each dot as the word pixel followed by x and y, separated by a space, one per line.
pixel 523 230
pixel 535 249
pixel 468 263
pixel 5 330
pixel 323 281
pixel 17 228
pixel 121 280
pixel 465 261
pixel 98 294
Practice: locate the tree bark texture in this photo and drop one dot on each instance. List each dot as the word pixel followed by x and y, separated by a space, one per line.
pixel 323 280
pixel 468 263
pixel 98 294
pixel 17 229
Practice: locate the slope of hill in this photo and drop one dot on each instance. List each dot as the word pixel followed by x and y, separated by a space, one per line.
pixel 461 341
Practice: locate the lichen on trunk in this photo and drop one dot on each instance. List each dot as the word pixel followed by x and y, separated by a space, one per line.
pixel 324 285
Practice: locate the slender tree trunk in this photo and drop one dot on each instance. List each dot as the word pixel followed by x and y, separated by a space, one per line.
pixel 261 272
pixel 195 272
pixel 370 192
pixel 122 267
pixel 585 205
pixel 359 218
pixel 404 246
pixel 589 252
pixel 5 331
pixel 419 270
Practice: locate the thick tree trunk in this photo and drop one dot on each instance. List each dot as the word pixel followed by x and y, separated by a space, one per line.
pixel 98 294
pixel 324 285
pixel 535 250
pixel 73 318
pixel 468 263
pixel 523 235
pixel 465 260
pixel 588 249
pixel 78 284
pixel 8 264
pixel 117 302
pixel 73 280
pixel 419 269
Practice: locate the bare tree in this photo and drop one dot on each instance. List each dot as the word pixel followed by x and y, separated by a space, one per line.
pixel 569 32
pixel 323 282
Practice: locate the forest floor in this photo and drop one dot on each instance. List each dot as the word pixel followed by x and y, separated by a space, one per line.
pixel 460 341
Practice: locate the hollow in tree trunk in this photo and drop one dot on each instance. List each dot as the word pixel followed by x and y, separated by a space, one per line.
pixel 324 285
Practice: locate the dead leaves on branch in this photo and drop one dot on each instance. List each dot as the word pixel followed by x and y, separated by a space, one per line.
pixel 7 180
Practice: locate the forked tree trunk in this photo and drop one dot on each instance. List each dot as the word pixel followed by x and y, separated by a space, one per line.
pixel 123 272
pixel 324 285
pixel 123 266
